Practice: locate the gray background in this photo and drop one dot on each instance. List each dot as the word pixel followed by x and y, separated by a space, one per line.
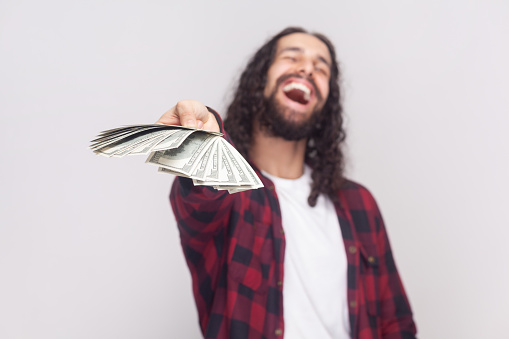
pixel 88 245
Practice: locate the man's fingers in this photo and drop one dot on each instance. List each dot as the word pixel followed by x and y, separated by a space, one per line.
pixel 169 118
pixel 189 113
pixel 188 120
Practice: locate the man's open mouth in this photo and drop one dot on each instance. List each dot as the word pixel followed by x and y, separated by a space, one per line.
pixel 298 92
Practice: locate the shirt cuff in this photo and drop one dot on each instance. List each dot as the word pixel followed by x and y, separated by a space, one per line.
pixel 218 118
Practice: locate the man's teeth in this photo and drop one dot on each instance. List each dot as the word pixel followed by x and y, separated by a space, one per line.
pixel 299 86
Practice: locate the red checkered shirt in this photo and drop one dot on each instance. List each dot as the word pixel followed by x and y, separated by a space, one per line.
pixel 234 245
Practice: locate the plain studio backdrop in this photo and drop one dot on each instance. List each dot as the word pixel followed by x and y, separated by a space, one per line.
pixel 89 246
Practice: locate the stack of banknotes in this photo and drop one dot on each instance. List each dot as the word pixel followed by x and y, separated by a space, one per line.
pixel 203 156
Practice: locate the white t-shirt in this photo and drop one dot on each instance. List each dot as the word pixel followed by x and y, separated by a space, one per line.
pixel 315 264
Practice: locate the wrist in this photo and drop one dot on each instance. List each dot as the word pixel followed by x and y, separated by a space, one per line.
pixel 217 118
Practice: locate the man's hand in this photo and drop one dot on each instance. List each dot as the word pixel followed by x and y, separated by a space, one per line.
pixel 190 113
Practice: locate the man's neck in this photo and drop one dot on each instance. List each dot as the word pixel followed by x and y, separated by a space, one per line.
pixel 277 156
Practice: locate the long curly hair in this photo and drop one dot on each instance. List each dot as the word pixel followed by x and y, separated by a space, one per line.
pixel 323 150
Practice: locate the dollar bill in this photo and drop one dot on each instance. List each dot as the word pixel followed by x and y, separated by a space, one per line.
pixel 129 144
pixel 185 158
pixel 203 156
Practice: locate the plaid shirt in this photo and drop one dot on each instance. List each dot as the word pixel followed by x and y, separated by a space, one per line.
pixel 234 246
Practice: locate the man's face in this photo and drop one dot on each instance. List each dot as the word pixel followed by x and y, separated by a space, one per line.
pixel 298 79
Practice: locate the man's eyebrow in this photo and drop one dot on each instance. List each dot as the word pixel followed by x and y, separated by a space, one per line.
pixel 300 50
pixel 291 49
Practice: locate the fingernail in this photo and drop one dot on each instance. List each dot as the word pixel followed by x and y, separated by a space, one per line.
pixel 199 124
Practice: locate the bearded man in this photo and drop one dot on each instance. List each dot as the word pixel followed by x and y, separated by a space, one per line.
pixel 306 256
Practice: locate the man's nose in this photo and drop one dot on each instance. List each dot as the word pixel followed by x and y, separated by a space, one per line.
pixel 306 68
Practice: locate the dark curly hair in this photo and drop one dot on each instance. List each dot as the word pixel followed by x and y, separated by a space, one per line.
pixel 323 149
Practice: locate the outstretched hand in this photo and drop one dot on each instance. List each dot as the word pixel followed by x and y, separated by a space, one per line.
pixel 190 113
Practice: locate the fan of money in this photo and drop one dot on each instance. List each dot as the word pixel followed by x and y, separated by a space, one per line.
pixel 203 156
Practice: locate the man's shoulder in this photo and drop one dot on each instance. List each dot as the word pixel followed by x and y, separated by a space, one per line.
pixel 351 185
pixel 356 195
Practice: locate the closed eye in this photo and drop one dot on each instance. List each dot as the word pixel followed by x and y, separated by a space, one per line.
pixel 291 58
pixel 322 70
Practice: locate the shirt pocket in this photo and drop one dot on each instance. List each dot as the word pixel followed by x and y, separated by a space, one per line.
pixel 250 256
pixel 369 270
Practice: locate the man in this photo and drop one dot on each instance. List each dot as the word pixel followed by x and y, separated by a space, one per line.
pixel 307 255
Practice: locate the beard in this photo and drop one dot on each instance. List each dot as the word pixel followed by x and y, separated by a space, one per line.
pixel 277 120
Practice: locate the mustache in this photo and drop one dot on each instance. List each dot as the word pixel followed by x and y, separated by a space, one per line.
pixel 285 77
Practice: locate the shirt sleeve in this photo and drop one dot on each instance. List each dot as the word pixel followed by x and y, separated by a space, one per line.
pixel 395 312
pixel 200 211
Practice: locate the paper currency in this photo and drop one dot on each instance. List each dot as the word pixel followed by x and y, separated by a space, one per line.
pixel 203 156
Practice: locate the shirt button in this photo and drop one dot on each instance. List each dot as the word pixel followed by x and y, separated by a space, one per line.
pixel 282 231
pixel 352 249
pixel 371 260
pixel 278 331
pixel 271 188
pixel 280 283
pixel 353 304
